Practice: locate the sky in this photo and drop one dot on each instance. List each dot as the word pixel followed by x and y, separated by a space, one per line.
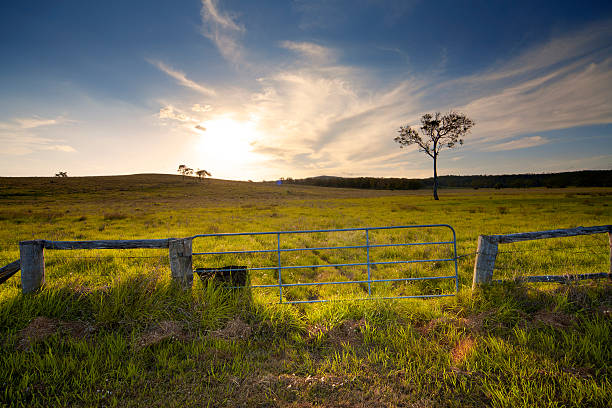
pixel 258 90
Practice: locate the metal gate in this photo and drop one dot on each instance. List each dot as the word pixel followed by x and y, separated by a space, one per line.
pixel 280 244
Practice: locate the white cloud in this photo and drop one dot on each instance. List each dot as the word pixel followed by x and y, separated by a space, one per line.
pixel 21 143
pixel 222 30
pixel 60 148
pixel 567 97
pixel 562 49
pixel 182 79
pixel 32 122
pixel 170 112
pixel 521 143
pixel 311 51
pixel 199 108
pixel 29 123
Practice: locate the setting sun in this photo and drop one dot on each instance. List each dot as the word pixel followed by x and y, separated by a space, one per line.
pixel 227 143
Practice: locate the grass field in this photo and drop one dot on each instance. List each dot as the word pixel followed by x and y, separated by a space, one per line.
pixel 109 329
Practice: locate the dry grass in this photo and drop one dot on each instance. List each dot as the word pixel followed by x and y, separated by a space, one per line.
pixel 41 328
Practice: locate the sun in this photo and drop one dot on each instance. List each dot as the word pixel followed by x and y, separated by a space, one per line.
pixel 226 142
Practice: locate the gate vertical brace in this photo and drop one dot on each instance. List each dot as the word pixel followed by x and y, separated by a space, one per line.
pixel 368 261
pixel 456 266
pixel 280 282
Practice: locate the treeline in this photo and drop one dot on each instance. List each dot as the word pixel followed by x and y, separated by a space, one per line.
pixel 585 178
pixel 376 183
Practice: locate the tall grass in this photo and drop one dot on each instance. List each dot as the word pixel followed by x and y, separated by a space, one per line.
pixel 119 333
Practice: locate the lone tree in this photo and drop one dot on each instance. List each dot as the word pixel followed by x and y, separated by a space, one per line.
pixel 61 174
pixel 203 174
pixel 437 131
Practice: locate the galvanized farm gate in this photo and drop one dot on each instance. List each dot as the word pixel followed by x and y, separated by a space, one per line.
pixel 367 262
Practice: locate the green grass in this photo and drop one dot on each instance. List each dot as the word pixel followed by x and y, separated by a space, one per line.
pixel 118 333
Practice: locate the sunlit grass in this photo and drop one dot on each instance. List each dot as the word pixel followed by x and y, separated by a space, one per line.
pixel 510 345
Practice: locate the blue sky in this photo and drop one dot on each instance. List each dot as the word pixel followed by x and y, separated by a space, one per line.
pixel 267 89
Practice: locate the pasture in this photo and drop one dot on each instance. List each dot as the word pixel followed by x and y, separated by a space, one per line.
pixel 110 329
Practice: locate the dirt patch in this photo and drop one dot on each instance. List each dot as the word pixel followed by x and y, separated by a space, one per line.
pixel 294 381
pixel 482 322
pixel 428 327
pixel 234 329
pixel 554 319
pixel 462 350
pixel 83 290
pixel 166 329
pixel 316 330
pixel 349 331
pixel 43 327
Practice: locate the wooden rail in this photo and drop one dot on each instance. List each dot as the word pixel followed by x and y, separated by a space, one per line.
pixel 108 244
pixel 487 253
pixel 9 270
pixel 558 233
pixel 32 258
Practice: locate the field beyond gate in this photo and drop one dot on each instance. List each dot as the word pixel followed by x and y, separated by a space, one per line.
pixel 373 260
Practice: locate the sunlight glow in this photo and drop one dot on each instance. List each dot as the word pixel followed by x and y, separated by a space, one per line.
pixel 226 143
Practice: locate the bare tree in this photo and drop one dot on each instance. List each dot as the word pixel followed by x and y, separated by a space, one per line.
pixel 203 174
pixel 437 131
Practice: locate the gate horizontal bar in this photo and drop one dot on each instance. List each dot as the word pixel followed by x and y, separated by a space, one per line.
pixel 368 298
pixel 259 251
pixel 286 285
pixel 233 234
pixel 275 268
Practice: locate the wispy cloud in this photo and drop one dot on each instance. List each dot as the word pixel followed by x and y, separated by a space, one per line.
pixel 59 148
pixel 522 143
pixel 311 51
pixel 32 122
pixel 319 116
pixel 222 30
pixel 170 112
pixel 18 136
pixel 563 49
pixel 182 79
pixel 571 96
pixel 22 143
pixel 199 108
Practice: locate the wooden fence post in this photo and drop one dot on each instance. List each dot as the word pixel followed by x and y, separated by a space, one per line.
pixel 485 260
pixel 610 240
pixel 32 261
pixel 180 262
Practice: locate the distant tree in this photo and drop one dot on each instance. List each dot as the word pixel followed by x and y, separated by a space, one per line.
pixel 61 174
pixel 189 171
pixel 182 170
pixel 203 174
pixel 437 131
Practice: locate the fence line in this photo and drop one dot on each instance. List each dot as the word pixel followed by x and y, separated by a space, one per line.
pixel 488 249
pixel 32 258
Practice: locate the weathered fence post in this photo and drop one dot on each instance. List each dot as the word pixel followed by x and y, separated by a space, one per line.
pixel 610 240
pixel 32 261
pixel 180 262
pixel 485 260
